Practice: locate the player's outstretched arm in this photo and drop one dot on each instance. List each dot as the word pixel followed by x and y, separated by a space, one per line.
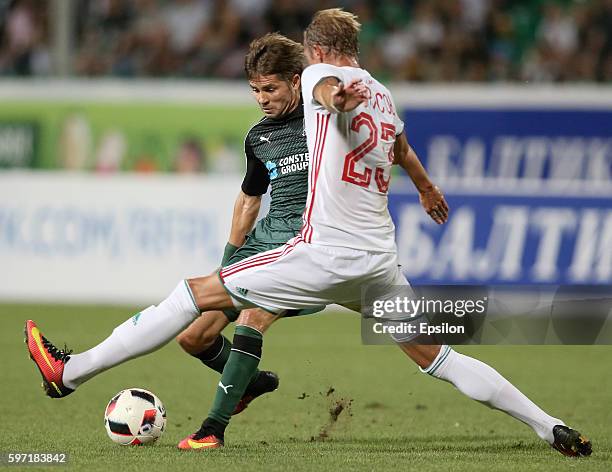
pixel 246 209
pixel 337 97
pixel 430 196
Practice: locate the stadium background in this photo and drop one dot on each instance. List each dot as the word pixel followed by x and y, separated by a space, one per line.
pixel 121 128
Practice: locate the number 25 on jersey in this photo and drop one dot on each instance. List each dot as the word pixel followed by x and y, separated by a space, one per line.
pixel 363 179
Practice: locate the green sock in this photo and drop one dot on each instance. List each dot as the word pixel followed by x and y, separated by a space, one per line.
pixel 240 368
pixel 216 355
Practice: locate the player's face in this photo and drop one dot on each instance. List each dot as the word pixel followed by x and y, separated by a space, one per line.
pixel 275 96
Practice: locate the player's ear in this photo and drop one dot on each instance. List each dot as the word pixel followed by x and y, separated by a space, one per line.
pixel 296 81
pixel 319 53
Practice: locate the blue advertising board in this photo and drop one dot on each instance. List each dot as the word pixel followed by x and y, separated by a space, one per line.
pixel 502 239
pixel 530 191
pixel 557 144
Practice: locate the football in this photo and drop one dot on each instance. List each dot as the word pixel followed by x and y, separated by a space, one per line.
pixel 134 417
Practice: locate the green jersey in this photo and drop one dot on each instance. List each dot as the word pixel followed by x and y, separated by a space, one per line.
pixel 277 155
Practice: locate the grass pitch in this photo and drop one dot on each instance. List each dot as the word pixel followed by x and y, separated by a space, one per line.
pixel 395 418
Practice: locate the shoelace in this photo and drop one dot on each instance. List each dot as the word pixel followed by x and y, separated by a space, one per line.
pixel 58 354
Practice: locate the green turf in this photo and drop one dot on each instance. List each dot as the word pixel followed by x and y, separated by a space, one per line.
pixel 399 419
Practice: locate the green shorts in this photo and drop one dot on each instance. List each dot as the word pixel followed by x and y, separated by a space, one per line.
pixel 252 247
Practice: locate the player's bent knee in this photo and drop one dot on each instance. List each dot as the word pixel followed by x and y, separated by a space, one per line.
pixel 193 343
pixel 187 341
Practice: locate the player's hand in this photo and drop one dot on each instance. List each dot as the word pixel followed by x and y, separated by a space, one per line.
pixel 434 204
pixel 348 97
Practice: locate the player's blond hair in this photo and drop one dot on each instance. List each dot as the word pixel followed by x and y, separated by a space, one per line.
pixel 272 54
pixel 334 29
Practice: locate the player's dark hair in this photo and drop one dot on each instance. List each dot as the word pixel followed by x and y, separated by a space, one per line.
pixel 336 30
pixel 272 54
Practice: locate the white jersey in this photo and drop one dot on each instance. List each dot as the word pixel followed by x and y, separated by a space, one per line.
pixel 350 164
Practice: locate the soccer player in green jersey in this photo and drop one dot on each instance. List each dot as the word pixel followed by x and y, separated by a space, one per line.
pixel 276 156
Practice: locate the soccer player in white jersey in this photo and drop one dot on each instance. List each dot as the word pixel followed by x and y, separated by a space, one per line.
pixel 346 244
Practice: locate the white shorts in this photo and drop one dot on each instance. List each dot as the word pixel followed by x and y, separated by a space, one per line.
pixel 299 275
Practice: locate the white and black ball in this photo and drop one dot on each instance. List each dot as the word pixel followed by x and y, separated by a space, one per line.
pixel 135 417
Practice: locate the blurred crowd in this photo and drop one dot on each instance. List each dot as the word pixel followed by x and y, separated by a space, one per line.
pixel 25 47
pixel 418 40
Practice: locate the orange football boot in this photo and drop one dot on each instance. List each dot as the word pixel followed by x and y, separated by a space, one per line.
pixel 198 441
pixel 49 359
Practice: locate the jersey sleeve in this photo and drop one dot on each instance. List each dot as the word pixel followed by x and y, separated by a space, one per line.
pixel 314 74
pixel 256 178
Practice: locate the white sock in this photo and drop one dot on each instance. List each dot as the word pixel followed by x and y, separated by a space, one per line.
pixel 145 332
pixel 482 383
